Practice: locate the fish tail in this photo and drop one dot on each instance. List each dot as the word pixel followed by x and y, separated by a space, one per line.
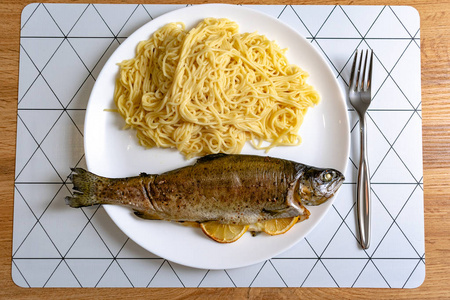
pixel 84 188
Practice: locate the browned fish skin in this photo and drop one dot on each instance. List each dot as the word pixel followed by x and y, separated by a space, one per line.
pixel 231 189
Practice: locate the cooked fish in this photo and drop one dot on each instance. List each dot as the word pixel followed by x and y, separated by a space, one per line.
pixel 229 189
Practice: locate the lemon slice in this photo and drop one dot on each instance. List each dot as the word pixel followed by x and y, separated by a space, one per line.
pixel 279 226
pixel 223 233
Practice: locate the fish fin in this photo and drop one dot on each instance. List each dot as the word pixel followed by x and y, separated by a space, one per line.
pixel 281 213
pixel 189 223
pixel 304 217
pixel 274 212
pixel 84 188
pixel 145 216
pixel 211 157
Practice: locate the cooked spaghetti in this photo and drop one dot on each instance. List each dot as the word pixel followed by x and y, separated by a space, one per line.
pixel 211 89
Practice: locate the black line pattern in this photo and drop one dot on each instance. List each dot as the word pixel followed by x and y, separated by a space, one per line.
pixel 118 250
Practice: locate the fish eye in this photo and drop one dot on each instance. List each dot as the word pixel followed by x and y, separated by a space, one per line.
pixel 327 176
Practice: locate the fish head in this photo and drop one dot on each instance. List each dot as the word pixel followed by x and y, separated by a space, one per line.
pixel 317 185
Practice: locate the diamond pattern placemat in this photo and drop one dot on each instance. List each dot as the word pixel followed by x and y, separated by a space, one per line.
pixel 62 50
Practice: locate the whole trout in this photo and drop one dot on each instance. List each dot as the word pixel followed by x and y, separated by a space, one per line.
pixel 229 189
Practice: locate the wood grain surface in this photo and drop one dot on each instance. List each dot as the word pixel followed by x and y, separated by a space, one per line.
pixel 435 60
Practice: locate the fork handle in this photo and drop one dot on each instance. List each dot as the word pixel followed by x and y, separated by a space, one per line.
pixel 363 202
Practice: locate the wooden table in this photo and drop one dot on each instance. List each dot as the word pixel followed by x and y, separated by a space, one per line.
pixel 435 48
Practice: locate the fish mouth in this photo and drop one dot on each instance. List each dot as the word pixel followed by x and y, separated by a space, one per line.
pixel 333 189
pixel 338 184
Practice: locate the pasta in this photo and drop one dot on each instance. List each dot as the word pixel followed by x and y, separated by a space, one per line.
pixel 212 89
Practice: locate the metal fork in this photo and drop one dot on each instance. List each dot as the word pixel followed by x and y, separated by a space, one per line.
pixel 360 98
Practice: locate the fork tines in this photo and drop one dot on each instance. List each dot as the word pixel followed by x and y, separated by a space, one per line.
pixel 358 83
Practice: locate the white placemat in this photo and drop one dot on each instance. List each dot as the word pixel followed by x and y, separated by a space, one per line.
pixel 62 50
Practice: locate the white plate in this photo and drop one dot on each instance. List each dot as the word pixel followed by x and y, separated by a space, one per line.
pixel 113 152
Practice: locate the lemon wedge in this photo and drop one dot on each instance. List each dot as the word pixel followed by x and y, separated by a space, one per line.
pixel 223 233
pixel 279 226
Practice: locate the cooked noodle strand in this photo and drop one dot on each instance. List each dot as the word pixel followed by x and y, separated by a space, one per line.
pixel 211 89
